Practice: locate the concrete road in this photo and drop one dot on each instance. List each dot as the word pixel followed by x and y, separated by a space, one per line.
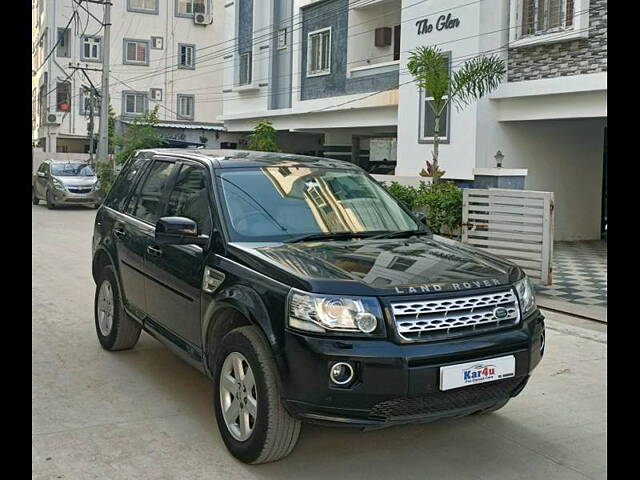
pixel 144 414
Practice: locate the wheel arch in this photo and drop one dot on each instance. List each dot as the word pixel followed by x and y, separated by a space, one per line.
pixel 231 308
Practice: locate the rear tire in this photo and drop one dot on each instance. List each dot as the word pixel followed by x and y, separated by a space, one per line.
pixel 274 432
pixel 115 329
pixel 34 198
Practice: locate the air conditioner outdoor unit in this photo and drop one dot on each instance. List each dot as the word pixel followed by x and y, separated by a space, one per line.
pixel 54 119
pixel 202 12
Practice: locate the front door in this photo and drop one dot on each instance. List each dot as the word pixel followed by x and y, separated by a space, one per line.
pixel 174 272
pixel 41 181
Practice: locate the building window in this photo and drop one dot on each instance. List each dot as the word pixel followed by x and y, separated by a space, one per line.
pixel 85 102
pixel 134 103
pixel 319 52
pixel 42 103
pixel 547 21
pixel 187 56
pixel 142 6
pixel 544 16
pixel 185 107
pixel 63 96
pixel 245 68
pixel 91 49
pixel 396 42
pixel 136 52
pixel 64 47
pixel 186 8
pixel 427 115
pixel 282 38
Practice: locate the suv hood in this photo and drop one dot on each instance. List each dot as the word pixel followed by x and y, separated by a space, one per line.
pixel 424 264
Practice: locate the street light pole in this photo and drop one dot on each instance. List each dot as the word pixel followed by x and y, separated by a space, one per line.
pixel 103 145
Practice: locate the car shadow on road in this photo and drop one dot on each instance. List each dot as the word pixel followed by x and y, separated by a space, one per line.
pixel 448 448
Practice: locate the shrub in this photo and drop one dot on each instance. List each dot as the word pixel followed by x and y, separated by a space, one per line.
pixel 106 175
pixel 140 134
pixel 263 138
pixel 441 202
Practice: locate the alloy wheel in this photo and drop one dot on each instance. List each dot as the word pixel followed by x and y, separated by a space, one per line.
pixel 105 308
pixel 238 396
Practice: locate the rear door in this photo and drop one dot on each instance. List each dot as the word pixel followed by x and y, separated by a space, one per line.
pixel 174 272
pixel 135 228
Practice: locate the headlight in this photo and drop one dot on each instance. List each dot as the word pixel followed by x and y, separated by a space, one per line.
pixel 96 186
pixel 526 296
pixel 322 313
pixel 58 185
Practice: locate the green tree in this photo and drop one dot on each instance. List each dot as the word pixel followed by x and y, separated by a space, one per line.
pixel 263 138
pixel 472 81
pixel 140 133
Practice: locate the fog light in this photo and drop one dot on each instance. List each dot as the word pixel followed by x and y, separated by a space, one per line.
pixel 366 322
pixel 341 373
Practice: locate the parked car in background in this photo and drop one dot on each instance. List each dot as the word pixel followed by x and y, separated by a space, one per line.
pixel 65 183
pixel 306 292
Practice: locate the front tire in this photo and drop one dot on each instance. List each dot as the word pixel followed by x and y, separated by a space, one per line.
pixel 50 204
pixel 253 424
pixel 34 198
pixel 115 329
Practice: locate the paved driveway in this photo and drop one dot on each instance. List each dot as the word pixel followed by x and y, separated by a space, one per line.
pixel 145 414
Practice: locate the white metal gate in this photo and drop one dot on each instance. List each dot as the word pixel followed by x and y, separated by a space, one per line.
pixel 514 224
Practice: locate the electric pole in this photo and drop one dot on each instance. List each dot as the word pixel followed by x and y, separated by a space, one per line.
pixel 103 145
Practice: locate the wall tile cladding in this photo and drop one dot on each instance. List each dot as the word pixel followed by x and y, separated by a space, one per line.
pixel 562 59
pixel 334 14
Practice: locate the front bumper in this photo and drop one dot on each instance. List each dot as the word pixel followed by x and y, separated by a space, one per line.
pixel 401 383
pixel 69 198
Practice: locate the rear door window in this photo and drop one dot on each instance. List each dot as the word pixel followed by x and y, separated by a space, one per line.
pixel 125 183
pixel 146 203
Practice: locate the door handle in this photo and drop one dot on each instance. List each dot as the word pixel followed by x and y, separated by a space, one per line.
pixel 119 232
pixel 154 251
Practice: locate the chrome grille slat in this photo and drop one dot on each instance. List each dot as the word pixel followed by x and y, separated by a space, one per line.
pixel 431 319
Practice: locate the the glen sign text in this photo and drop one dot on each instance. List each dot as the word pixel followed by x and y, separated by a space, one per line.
pixel 444 22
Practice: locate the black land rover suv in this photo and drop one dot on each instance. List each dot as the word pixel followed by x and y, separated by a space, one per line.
pixel 307 293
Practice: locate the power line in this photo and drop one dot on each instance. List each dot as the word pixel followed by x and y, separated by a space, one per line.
pixel 56 44
pixel 266 57
pixel 359 98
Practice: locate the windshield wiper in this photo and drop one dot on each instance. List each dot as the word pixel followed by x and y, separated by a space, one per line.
pixel 327 236
pixel 401 233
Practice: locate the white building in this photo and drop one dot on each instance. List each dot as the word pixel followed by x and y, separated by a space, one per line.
pixel 313 69
pixel 331 76
pixel 163 53
pixel 549 116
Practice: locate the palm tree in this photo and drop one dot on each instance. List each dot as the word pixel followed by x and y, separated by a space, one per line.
pixel 473 80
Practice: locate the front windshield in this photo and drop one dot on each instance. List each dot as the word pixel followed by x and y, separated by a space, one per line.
pixel 282 203
pixel 71 170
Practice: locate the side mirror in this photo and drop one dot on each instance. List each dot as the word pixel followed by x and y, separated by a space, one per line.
pixel 42 175
pixel 421 216
pixel 178 231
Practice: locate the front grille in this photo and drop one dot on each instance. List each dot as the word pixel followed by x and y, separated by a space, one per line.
pixel 79 189
pixel 438 402
pixel 426 320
